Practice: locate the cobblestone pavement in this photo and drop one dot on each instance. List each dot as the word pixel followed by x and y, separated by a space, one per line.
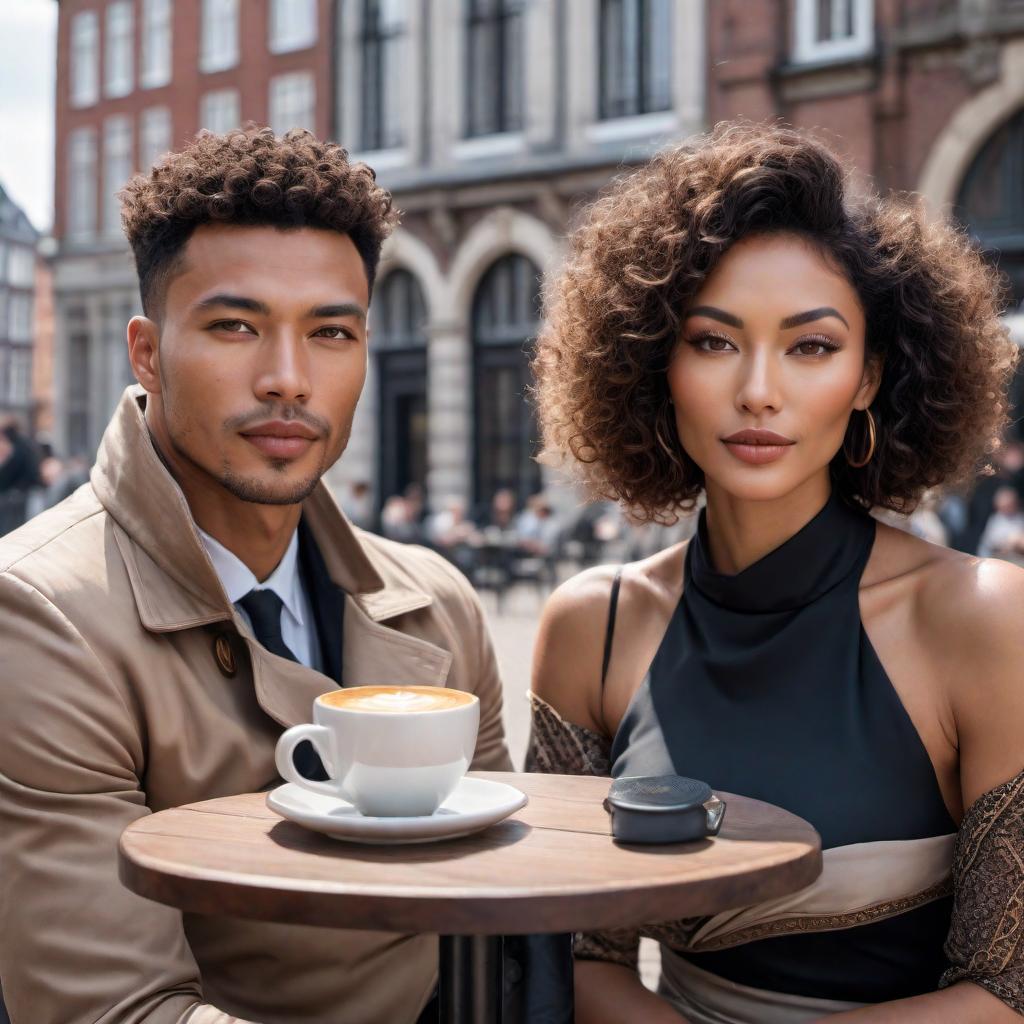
pixel 514 632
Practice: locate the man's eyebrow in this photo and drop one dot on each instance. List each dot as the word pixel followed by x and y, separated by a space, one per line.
pixel 234 302
pixel 338 309
pixel 812 314
pixel 796 320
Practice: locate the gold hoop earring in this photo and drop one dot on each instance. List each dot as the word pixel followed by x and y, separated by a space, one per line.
pixel 872 440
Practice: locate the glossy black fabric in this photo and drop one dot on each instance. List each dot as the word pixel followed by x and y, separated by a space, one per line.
pixel 766 684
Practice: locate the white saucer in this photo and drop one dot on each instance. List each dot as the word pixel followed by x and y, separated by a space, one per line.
pixel 475 804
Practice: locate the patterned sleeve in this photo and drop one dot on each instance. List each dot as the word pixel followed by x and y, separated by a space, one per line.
pixel 560 748
pixel 986 937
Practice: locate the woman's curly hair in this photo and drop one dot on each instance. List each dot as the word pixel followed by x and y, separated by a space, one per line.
pixel 250 177
pixel 613 316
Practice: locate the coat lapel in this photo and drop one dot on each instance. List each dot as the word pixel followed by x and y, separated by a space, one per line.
pixel 176 587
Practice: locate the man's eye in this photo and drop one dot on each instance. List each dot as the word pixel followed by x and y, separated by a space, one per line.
pixel 234 327
pixel 333 333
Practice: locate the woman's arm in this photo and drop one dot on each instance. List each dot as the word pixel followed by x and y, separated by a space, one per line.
pixel 962 1003
pixel 972 614
pixel 608 993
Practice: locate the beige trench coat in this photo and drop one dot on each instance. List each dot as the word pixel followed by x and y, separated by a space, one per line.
pixel 115 704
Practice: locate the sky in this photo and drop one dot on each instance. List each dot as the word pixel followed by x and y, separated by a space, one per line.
pixel 28 37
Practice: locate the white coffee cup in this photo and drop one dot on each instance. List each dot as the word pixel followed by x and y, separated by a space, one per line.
pixel 391 751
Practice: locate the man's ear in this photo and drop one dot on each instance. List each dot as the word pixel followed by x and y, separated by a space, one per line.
pixel 144 352
pixel 870 382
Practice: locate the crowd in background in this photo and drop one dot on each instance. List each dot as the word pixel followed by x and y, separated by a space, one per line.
pixel 32 477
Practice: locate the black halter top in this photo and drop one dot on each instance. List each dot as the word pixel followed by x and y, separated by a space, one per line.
pixel 766 684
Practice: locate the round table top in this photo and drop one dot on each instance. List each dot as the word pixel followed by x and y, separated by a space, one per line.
pixel 551 867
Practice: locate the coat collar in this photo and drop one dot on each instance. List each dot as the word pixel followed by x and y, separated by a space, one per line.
pixel 172 578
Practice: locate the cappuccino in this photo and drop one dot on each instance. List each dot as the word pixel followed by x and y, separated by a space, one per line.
pixel 397 699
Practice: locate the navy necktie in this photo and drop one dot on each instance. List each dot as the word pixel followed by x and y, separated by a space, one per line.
pixel 264 610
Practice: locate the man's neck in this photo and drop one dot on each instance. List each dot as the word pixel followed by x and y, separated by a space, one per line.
pixel 257 535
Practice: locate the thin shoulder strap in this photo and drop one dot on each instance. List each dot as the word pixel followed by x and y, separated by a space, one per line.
pixel 609 631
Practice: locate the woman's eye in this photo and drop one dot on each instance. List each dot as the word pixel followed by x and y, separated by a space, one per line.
pixel 713 343
pixel 815 348
pixel 333 333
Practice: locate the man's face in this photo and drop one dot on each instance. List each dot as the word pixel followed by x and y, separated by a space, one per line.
pixel 260 360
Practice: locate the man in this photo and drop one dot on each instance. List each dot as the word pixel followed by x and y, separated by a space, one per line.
pixel 161 626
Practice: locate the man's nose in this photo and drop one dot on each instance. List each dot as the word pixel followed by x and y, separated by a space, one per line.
pixel 284 369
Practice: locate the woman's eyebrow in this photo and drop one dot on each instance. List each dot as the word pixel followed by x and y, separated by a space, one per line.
pixel 812 314
pixel 796 320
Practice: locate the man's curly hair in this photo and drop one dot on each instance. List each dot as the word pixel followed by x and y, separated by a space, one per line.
pixel 250 177
pixel 613 316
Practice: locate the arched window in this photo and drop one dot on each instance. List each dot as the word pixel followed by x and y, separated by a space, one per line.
pixel 398 335
pixel 991 201
pixel 505 319
pixel 991 205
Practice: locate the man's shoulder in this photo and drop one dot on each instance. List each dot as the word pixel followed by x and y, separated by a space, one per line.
pixel 59 548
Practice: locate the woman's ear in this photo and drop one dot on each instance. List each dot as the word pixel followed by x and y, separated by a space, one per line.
pixel 871 381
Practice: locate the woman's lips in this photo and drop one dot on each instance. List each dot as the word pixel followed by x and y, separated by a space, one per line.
pixel 757 454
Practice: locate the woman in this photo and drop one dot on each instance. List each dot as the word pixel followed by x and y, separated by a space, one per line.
pixel 731 324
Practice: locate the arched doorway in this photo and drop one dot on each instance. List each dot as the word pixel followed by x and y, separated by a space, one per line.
pixel 990 203
pixel 506 310
pixel 400 339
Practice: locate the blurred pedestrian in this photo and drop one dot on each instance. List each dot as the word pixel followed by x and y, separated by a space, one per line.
pixel 1004 531
pixel 358 504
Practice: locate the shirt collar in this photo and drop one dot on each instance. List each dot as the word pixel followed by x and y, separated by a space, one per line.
pixel 238 579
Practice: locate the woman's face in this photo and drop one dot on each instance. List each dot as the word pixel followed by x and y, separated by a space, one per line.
pixel 773 344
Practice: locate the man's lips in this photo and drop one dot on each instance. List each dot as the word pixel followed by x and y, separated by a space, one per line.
pixel 280 439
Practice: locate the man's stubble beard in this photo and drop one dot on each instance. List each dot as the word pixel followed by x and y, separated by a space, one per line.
pixel 256 491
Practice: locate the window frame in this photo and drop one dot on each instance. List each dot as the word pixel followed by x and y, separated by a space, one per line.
pixel 387 40
pixel 643 95
pixel 213 101
pixel 119 49
pixel 84 75
pixel 279 84
pixel 279 38
pixel 809 49
pixel 156 56
pixel 149 153
pixel 219 31
pixel 507 119
pixel 116 127
pixel 82 208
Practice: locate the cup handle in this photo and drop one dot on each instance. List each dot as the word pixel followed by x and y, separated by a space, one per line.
pixel 286 744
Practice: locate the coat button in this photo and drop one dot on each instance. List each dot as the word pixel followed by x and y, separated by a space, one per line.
pixel 224 654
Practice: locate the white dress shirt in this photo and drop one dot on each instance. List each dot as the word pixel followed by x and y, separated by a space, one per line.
pixel 298 627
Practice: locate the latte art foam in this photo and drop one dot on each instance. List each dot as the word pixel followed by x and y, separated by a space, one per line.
pixel 397 699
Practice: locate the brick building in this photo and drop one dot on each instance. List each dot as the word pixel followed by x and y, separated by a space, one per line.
pixel 492 121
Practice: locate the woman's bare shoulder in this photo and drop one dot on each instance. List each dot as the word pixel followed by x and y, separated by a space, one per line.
pixel 569 652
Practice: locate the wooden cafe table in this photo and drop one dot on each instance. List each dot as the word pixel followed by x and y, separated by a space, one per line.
pixel 550 867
